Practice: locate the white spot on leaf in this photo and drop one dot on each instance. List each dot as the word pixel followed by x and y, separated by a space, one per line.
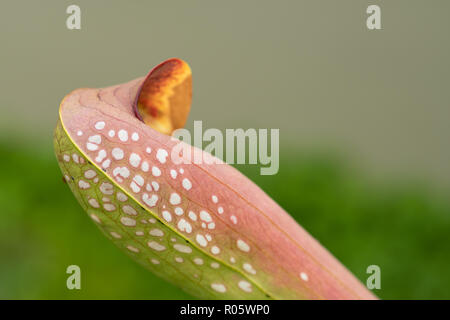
pixel 161 155
pixel 94 203
pixel 205 216
pixel 97 139
pixel 129 210
pixel 117 153
pixel 91 146
pixel 89 174
pixel 83 184
pixel 167 216
pixel 156 232
pixel 121 197
pixel 175 198
pixel 184 226
pixel 192 216
pixel 155 185
pixel 304 276
pixel 156 246
pixel 245 286
pixel 155 171
pixel 109 207
pixel 135 160
pixel 150 201
pixel 218 287
pixel 123 135
pixel 187 184
pixel 249 268
pixel 182 248
pixel 133 249
pixel 243 246
pixel 100 156
pixel 115 235
pixel 145 166
pixel 201 240
pixel 129 222
pixel 100 125
pixel 215 250
pixel 95 218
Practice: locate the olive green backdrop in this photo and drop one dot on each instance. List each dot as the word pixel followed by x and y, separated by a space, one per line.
pixel 364 119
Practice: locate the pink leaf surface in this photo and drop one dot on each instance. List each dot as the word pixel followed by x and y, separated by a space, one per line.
pixel 213 210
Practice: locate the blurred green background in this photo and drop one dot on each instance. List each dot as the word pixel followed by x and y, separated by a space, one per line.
pixel 363 118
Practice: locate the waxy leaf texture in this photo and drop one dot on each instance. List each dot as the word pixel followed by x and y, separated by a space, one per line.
pixel 203 227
